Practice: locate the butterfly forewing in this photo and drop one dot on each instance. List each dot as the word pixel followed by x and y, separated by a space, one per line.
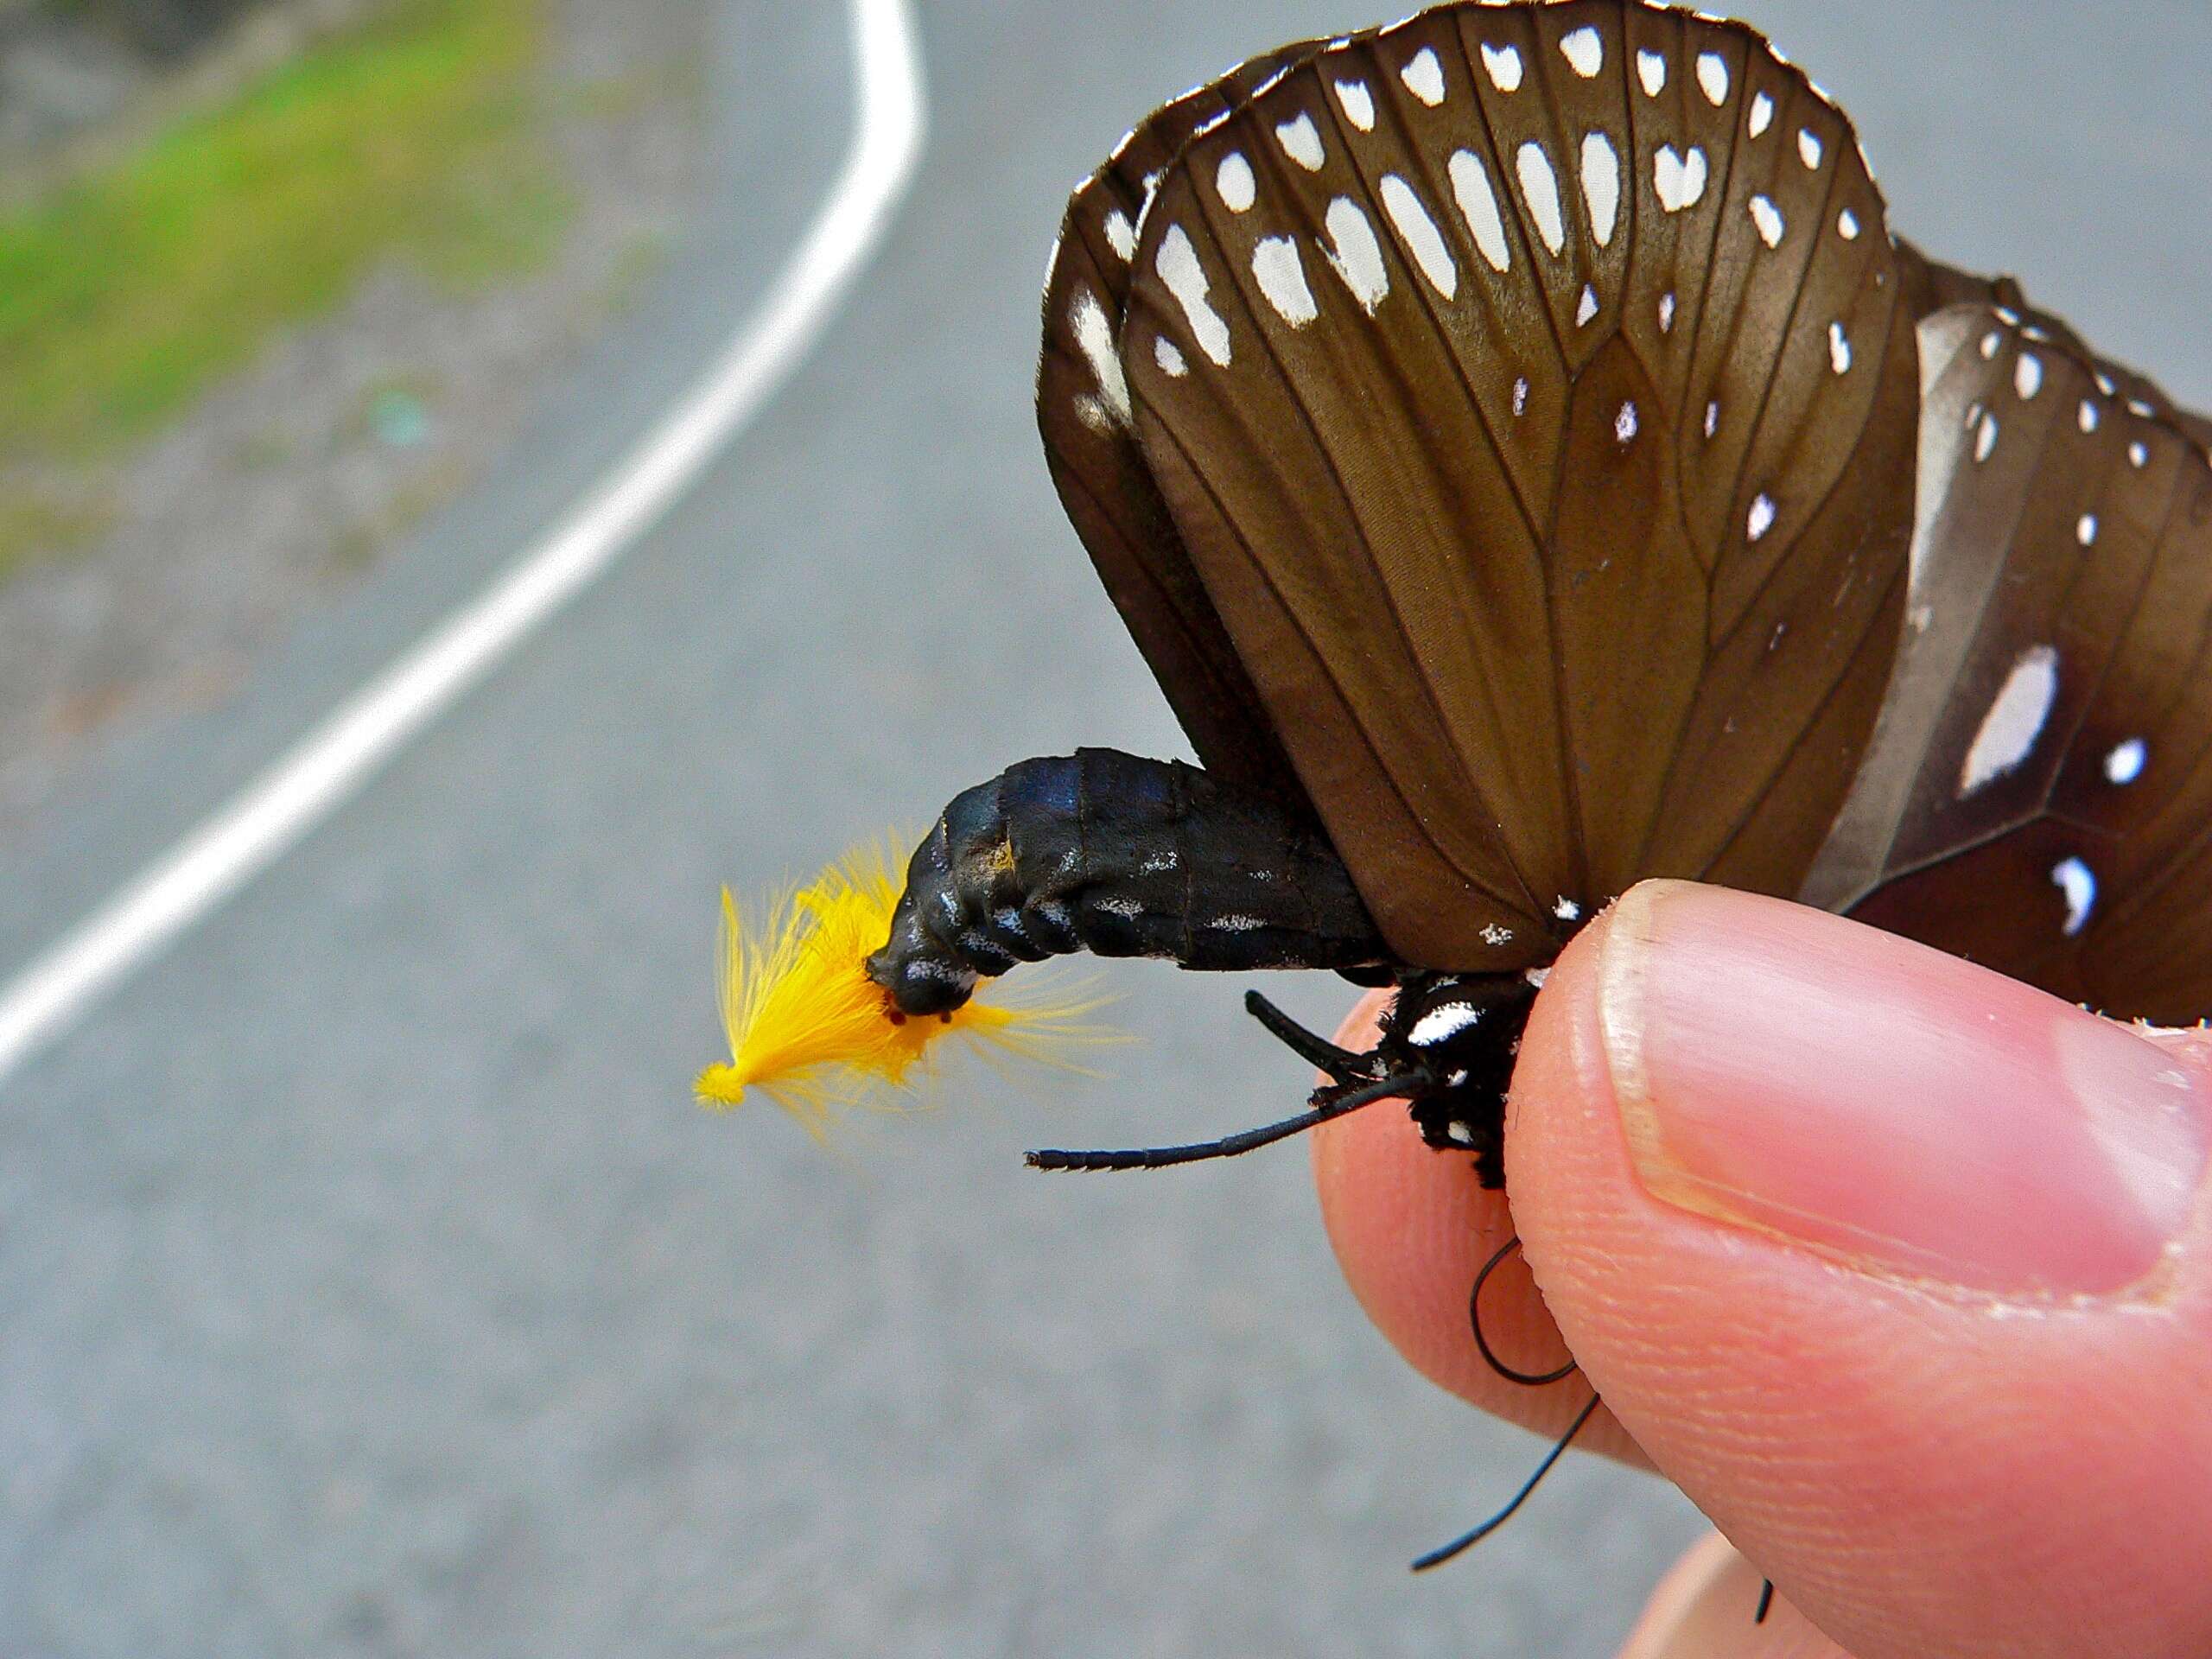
pixel 1489 366
pixel 1083 413
pixel 2039 789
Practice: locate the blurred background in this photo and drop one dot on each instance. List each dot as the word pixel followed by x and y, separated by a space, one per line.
pixel 370 1285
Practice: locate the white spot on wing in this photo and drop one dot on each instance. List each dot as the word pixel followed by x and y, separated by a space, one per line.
pixel 1846 224
pixel 1679 179
pixel 1762 519
pixel 1540 190
pixel 1584 51
pixel 1985 439
pixel 2089 416
pixel 1761 115
pixel 1839 349
pixel 1587 308
pixel 1711 418
pixel 1281 277
pixel 2079 883
pixel 1355 253
pixel 1121 235
pixel 1768 217
pixel 2125 764
pixel 1991 343
pixel 1566 909
pixel 1809 148
pixel 1424 77
pixel 1502 65
pixel 1177 262
pixel 1233 181
pixel 1713 76
pixel 1494 934
pixel 1170 359
pixel 1601 185
pixel 1667 312
pixel 1520 396
pixel 2086 532
pixel 1651 70
pixel 1624 423
pixel 1420 234
pixel 2014 721
pixel 1478 206
pixel 1094 335
pixel 2139 454
pixel 2027 375
pixel 1358 103
pixel 1301 142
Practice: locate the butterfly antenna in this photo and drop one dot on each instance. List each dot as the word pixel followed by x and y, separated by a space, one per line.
pixel 1316 1050
pixel 1229 1146
pixel 1526 1379
pixel 1766 1602
pixel 1468 1541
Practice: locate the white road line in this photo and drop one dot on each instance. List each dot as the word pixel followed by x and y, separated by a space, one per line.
pixel 321 771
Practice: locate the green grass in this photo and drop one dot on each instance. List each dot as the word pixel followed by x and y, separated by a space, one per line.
pixel 126 292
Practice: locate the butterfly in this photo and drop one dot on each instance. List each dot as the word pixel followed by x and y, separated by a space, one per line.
pixel 1529 464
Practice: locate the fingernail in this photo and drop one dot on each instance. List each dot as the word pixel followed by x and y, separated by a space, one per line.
pixel 1783 1069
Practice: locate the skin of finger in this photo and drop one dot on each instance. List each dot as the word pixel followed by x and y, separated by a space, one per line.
pixel 1706 1608
pixel 1920 1469
pixel 1411 1228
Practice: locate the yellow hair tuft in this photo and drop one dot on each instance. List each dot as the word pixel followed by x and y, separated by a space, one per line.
pixel 809 1029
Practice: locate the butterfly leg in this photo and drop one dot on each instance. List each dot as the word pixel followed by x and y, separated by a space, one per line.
pixel 1120 856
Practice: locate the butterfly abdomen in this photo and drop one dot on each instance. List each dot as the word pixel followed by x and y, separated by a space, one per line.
pixel 1105 852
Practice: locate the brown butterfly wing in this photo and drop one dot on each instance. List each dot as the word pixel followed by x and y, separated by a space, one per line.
pixel 1084 414
pixel 1424 343
pixel 2038 795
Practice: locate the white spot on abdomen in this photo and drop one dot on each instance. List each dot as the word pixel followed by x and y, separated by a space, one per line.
pixel 1177 264
pixel 1651 70
pixel 1424 77
pixel 1358 103
pixel 2015 720
pixel 1281 277
pixel 1478 206
pixel 1601 185
pixel 1584 51
pixel 2079 883
pixel 1540 190
pixel 1233 181
pixel 1679 179
pixel 1355 253
pixel 1301 142
pixel 2125 764
pixel 1502 65
pixel 1420 233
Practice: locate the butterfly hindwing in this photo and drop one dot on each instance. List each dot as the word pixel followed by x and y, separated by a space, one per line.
pixel 1084 416
pixel 1529 386
pixel 2049 734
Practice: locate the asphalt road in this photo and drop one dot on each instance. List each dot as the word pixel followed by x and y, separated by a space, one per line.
pixel 370 1286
